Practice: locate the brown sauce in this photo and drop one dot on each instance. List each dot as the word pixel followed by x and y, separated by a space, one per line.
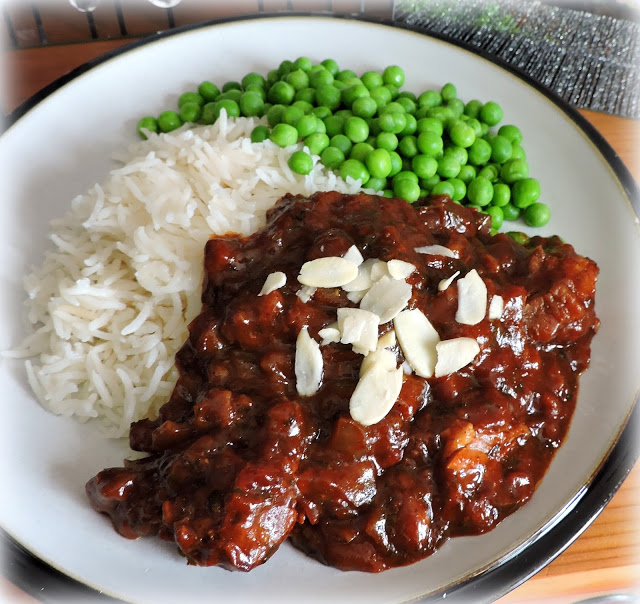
pixel 238 461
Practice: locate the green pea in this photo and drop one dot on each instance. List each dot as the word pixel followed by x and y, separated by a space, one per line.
pixel 253 79
pixel 511 133
pixel 406 189
pixel 346 74
pixel 168 121
pixel 332 157
pixel 316 142
pixel 321 77
pixel 378 163
pixel 300 162
pixel 500 149
pixel 537 214
pixel 519 237
pixel 257 89
pixel 260 134
pixel 472 108
pixel 392 122
pixel 307 95
pixel 517 152
pixel 448 92
pixel 281 92
pixel 147 123
pixel 331 66
pixel 328 96
pixel 497 216
pixel 355 169
pixel 334 124
pixel 190 112
pixel 208 91
pixel 291 115
pixel 448 167
pixel 459 154
pixel 360 151
pixel 274 115
pixel 394 107
pixel 381 95
pixel 424 166
pixel 525 192
pixel 490 172
pixel 272 77
pixel 476 125
pixel 514 169
pixel 429 99
pixel 396 163
pixel 411 125
pixel 298 79
pixel 209 113
pixel 353 92
pixel 306 125
pixel 430 123
pixel 393 76
pixel 372 79
pixel 284 68
pixel 491 113
pixel 462 134
pixel 407 104
pixel 387 140
pixel 456 106
pixel 501 194
pixel 510 212
pixel 441 113
pixel 231 85
pixel 190 97
pixel 341 142
pixel 364 107
pixel 356 129
pixel 430 143
pixel 377 184
pixel 303 63
pixel 429 183
pixel 233 94
pixel 321 112
pixel 480 191
pixel 444 187
pixel 408 146
pixel 251 104
pixel 467 173
pixel 284 135
pixel 479 152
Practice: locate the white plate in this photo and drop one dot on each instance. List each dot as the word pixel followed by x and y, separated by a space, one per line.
pixel 63 145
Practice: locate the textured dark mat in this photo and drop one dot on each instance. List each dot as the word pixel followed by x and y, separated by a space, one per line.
pixel 592 61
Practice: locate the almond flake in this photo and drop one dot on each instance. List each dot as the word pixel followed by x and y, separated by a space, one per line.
pixel 455 354
pixel 273 282
pixel 496 306
pixel 418 340
pixel 388 340
pixel 447 282
pixel 399 269
pixel 472 299
pixel 376 391
pixel 356 296
pixel 406 368
pixel 305 293
pixel 382 356
pixel 358 327
pixel 436 250
pixel 353 255
pixel 379 269
pixel 329 334
pixel 386 298
pixel 308 364
pixel 363 280
pixel 331 271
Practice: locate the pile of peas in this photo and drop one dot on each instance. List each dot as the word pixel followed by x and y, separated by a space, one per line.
pixel 367 128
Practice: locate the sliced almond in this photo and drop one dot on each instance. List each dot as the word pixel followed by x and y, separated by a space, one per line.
pixel 472 299
pixel 399 269
pixel 387 340
pixel 363 280
pixel 447 282
pixel 376 391
pixel 358 327
pixel 382 356
pixel 305 293
pixel 406 368
pixel 496 306
pixel 353 255
pixel 379 269
pixel 455 354
pixel 418 340
pixel 273 282
pixel 308 364
pixel 436 250
pixel 356 296
pixel 331 271
pixel 329 334
pixel 386 298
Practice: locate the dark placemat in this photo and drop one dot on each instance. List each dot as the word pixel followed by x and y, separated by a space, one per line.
pixel 592 61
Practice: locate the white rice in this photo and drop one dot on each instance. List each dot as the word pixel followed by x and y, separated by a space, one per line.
pixel 109 307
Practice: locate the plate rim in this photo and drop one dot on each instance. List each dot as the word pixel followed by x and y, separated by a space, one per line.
pixel 44 582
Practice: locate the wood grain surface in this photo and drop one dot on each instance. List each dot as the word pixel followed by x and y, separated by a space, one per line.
pixel 605 559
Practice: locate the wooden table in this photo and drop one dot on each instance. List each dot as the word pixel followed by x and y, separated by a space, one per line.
pixel 606 558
